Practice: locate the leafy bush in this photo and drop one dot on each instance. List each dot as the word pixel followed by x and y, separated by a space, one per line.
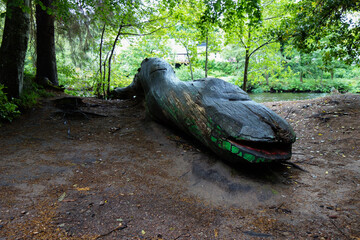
pixel 183 73
pixel 31 94
pixel 312 85
pixel 8 110
pixel 218 69
pixel 257 90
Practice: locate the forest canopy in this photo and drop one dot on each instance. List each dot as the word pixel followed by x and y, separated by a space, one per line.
pixel 91 46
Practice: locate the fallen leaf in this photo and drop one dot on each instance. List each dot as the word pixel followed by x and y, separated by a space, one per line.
pixel 62 197
pixel 216 233
pixel 83 189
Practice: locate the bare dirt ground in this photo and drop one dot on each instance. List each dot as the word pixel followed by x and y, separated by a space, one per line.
pixel 126 177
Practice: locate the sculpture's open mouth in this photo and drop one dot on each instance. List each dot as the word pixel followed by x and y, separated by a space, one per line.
pixel 266 150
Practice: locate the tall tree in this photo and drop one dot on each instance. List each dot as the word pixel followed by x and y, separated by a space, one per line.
pixel 186 31
pixel 253 34
pixel 252 24
pixel 336 20
pixel 45 43
pixel 14 45
pixel 128 18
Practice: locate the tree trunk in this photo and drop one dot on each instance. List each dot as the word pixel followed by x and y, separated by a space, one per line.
pixel 332 74
pixel 104 76
pixel 13 48
pixel 45 45
pixel 206 56
pixel 247 59
pixel 98 84
pixel 188 56
pixel 111 55
pixel 267 78
pixel 301 71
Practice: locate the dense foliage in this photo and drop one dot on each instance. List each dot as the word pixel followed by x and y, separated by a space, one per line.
pixel 278 45
pixel 330 25
pixel 11 108
pixel 8 109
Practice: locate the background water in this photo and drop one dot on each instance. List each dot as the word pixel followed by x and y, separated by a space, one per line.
pixel 274 97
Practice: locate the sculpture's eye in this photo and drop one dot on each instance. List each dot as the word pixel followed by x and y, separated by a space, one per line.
pixel 153 70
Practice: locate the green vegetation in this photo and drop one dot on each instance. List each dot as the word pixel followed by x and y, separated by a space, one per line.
pixel 8 109
pixel 12 108
pixel 31 94
pixel 261 46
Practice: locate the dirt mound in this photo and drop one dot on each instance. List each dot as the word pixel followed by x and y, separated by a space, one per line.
pixel 108 172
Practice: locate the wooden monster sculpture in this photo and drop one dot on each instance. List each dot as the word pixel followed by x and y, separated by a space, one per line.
pixel 218 114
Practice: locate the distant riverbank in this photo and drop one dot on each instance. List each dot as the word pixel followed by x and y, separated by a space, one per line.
pixel 274 97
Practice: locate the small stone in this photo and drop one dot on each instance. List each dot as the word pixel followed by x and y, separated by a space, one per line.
pixel 23 212
pixel 101 203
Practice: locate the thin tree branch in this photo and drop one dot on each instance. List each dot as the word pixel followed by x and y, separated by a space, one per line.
pixel 269 18
pixel 262 45
pixel 267 3
pixel 242 42
pixel 144 22
pixel 143 34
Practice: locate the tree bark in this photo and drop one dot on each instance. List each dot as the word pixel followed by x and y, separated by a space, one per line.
pixel 45 44
pixel 246 68
pixel 13 47
pixel 301 71
pixel 206 56
pixel 99 83
pixel 190 65
pixel 111 55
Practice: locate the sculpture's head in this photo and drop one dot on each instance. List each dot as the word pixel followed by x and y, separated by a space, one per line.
pixel 242 128
pixel 154 71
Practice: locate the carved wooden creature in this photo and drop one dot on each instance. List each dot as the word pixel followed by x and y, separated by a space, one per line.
pixel 218 114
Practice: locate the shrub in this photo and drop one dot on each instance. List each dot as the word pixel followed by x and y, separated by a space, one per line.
pixel 183 73
pixel 8 110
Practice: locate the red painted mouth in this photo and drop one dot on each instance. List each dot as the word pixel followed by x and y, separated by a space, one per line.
pixel 281 151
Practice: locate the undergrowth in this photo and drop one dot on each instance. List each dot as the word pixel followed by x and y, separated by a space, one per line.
pixel 12 108
pixel 8 109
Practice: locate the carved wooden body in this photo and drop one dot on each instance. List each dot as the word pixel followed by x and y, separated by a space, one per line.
pixel 218 114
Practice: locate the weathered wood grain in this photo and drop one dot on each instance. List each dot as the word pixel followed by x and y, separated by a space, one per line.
pixel 218 114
